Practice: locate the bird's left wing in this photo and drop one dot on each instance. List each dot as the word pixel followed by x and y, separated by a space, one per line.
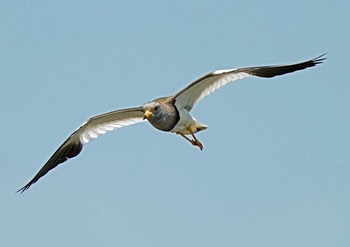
pixel 207 84
pixel 90 130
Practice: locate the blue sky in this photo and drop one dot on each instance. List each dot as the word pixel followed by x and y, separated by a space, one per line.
pixel 275 166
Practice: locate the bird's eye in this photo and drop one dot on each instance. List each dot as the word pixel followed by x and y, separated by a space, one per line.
pixel 156 108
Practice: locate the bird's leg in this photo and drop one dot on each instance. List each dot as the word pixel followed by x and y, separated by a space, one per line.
pixel 194 142
pixel 188 139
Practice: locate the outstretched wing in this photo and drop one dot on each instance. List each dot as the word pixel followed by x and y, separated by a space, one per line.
pixel 90 130
pixel 207 84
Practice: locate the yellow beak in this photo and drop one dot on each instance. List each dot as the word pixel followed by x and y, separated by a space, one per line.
pixel 147 114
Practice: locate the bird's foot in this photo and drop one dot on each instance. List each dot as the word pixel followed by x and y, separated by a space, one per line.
pixel 197 143
pixel 194 141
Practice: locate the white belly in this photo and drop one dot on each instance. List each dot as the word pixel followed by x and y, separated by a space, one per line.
pixel 187 123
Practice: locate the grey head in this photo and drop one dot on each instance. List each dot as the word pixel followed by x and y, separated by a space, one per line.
pixel 161 113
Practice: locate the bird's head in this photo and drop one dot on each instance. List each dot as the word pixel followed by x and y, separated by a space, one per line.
pixel 151 110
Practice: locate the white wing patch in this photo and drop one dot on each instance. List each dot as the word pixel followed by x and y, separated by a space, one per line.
pixel 220 82
pixel 197 90
pixel 90 131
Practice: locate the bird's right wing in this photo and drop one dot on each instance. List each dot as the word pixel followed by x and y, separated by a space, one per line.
pixel 90 130
pixel 207 84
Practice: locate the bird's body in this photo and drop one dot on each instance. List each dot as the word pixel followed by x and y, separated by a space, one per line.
pixel 170 114
pixel 173 118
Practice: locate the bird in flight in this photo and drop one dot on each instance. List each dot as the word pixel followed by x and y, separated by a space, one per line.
pixel 170 114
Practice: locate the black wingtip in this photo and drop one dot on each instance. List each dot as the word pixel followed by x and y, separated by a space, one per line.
pixel 26 187
pixel 21 190
pixel 276 70
pixel 66 151
pixel 319 59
